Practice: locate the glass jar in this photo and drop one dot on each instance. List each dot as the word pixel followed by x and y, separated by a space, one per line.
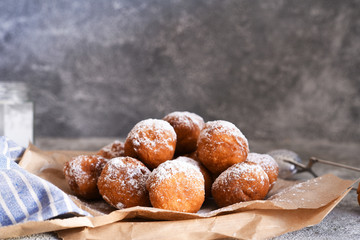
pixel 16 113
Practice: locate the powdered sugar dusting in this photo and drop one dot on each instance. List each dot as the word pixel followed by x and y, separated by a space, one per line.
pixel 74 169
pixel 267 163
pixel 249 174
pixel 221 127
pixel 112 150
pixel 128 174
pixel 161 133
pixel 169 169
pixel 264 160
pixel 176 185
pixel 120 205
pixel 186 118
pixel 298 195
pixel 78 168
pixel 133 175
pixel 189 160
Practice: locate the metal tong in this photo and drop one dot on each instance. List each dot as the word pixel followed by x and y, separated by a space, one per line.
pixel 308 167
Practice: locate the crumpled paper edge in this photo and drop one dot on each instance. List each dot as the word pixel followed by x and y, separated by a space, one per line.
pixel 247 226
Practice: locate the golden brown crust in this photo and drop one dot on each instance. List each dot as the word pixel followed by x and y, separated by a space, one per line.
pixel 176 186
pixel 267 163
pixel 187 127
pixel 221 145
pixel 206 174
pixel 152 141
pixel 239 183
pixel 122 183
pixel 82 173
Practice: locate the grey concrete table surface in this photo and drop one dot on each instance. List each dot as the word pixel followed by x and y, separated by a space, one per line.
pixel 343 222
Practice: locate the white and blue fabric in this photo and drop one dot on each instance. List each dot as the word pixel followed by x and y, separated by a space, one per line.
pixel 25 196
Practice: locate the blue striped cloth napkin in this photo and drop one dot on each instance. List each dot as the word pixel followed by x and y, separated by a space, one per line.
pixel 25 196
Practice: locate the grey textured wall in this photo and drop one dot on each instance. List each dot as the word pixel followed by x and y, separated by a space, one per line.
pixel 277 69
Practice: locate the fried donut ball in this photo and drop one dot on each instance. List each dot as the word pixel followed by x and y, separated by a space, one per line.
pixel 122 183
pixel 267 163
pixel 176 186
pixel 113 150
pixel 220 145
pixel 187 127
pixel 239 183
pixel 202 169
pixel 152 141
pixel 82 173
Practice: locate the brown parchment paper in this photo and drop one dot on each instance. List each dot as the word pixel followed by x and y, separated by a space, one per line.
pixel 288 207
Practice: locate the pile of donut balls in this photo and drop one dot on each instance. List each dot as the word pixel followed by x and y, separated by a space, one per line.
pixel 174 163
